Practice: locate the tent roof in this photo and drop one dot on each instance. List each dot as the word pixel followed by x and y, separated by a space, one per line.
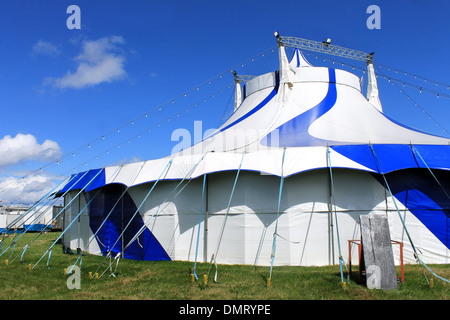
pixel 287 162
pixel 299 60
pixel 298 114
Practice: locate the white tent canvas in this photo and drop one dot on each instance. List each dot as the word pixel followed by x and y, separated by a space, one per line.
pixel 311 128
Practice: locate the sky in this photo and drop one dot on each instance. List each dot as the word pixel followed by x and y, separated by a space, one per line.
pixel 121 86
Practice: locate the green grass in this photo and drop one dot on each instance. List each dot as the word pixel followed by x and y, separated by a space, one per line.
pixel 169 280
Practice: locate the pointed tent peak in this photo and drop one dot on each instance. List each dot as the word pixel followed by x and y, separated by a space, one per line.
pixel 372 87
pixel 299 60
pixel 237 91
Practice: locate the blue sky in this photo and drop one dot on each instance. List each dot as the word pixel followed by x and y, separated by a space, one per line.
pixel 62 90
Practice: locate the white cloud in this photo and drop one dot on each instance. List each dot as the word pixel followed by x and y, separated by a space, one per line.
pixel 99 61
pixel 26 190
pixel 46 48
pixel 24 147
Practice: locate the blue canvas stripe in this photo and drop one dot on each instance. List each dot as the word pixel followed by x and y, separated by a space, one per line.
pixel 396 156
pixel 435 156
pixel 417 190
pixel 255 109
pixel 294 133
pixel 147 248
pixel 79 182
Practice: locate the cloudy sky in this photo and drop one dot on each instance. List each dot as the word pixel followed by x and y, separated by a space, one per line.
pixel 116 89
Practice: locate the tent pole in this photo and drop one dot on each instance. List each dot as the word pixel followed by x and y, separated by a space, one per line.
pixel 72 221
pixel 331 236
pixel 416 254
pixel 49 250
pixel 330 215
pixel 42 214
pixel 121 236
pixel 122 249
pixel 40 203
pixel 205 237
pixel 214 259
pixel 142 229
pixel 275 234
pixel 415 151
pixel 22 219
pixel 63 225
pixel 80 253
pixel 194 271
pixel 78 221
pixel 94 236
pixel 333 203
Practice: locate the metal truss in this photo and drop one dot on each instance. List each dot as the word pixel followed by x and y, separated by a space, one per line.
pixel 324 47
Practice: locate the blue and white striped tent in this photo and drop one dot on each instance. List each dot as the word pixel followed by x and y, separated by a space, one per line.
pixel 303 156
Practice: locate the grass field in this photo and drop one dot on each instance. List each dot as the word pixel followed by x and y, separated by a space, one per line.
pixel 164 280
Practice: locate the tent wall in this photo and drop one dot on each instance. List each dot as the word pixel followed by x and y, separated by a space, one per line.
pixel 307 227
pixel 69 213
pixel 171 219
pixel 114 220
pixel 77 234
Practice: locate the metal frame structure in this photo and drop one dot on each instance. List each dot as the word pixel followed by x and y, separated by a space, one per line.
pixel 241 78
pixel 324 47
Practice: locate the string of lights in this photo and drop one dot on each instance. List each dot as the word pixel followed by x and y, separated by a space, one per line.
pixel 390 78
pixel 416 76
pixel 396 82
pixel 421 108
pixel 96 141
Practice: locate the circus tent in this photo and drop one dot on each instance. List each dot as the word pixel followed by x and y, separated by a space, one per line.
pixel 283 181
